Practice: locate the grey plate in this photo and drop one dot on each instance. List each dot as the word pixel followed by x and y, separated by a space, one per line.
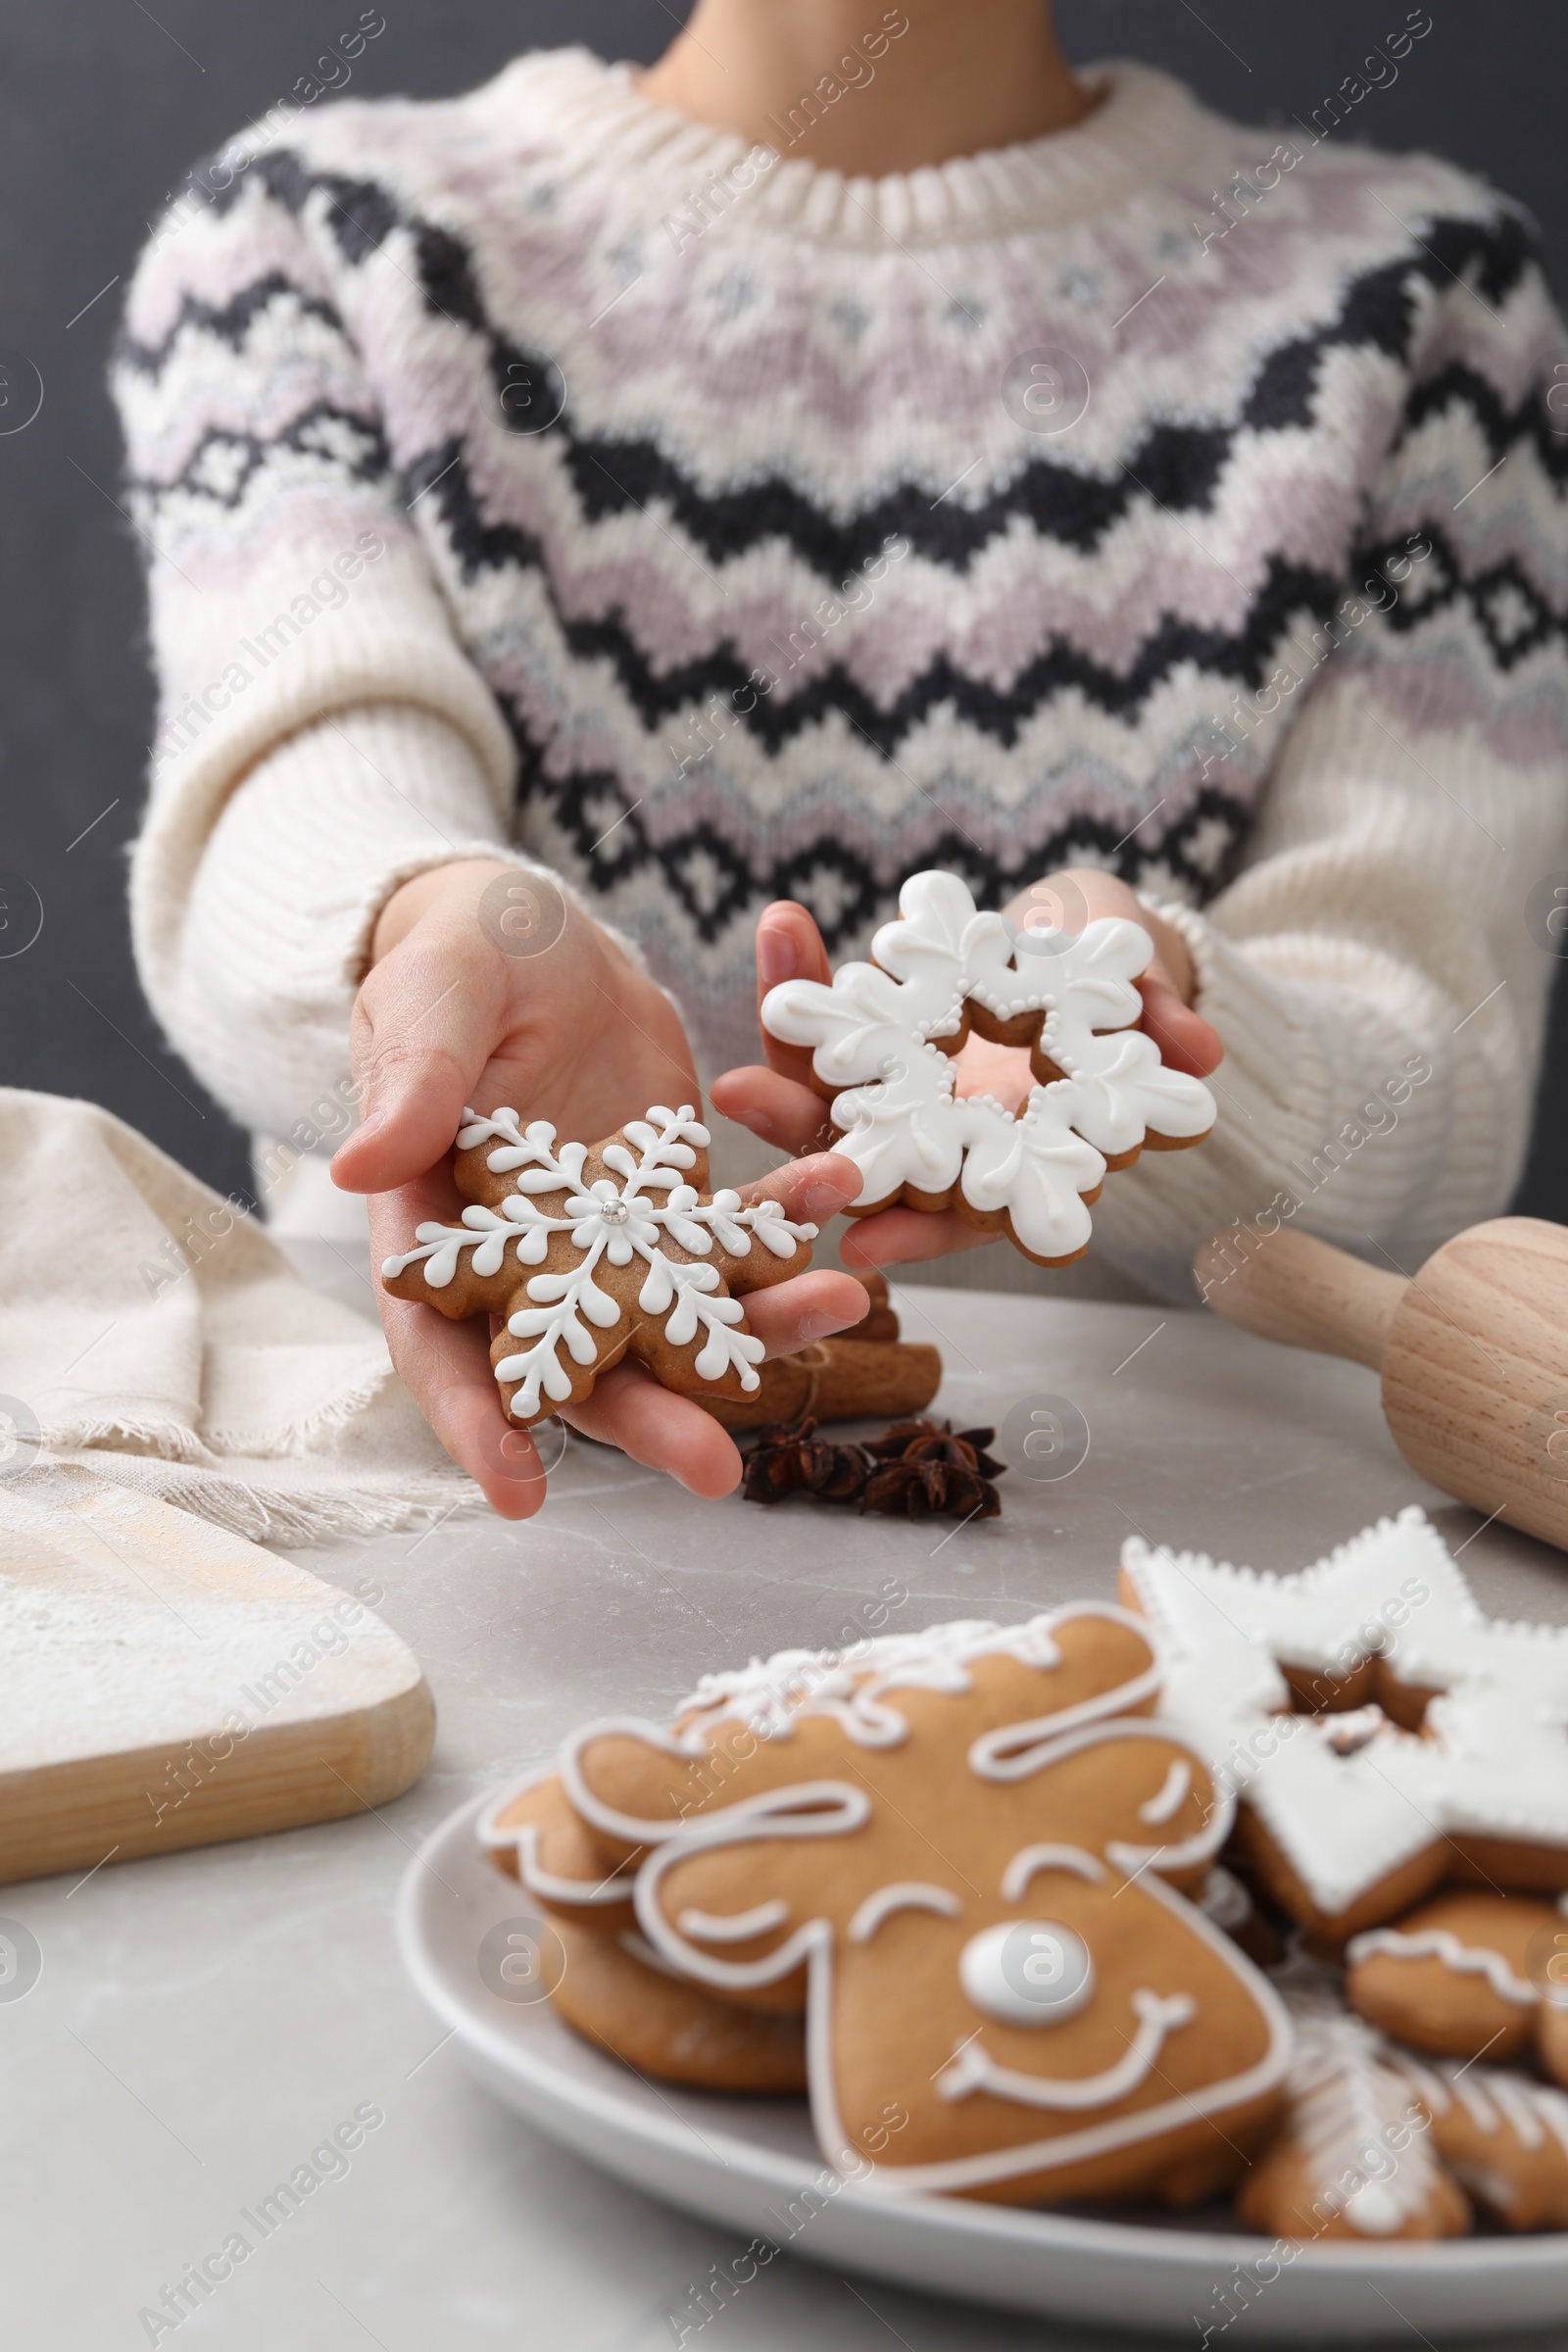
pixel 754 2166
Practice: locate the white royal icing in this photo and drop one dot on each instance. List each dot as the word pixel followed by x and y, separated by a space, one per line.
pixel 851 1686
pixel 1441 1944
pixel 608 1222
pixel 1029 1972
pixel 901 1895
pixel 1030 1859
pixel 522 1840
pixel 1170 1799
pixel 1492 2100
pixel 1216 1815
pixel 1492 1757
pixel 734 1927
pixel 897 1108
pixel 973 2069
pixel 770 1695
pixel 1349 2121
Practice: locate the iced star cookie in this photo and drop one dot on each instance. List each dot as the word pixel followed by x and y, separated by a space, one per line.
pixel 1455 1976
pixel 589 1253
pixel 960 1851
pixel 1382 1735
pixel 1355 2157
pixel 882 1040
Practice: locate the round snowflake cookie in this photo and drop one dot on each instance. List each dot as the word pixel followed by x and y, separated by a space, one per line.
pixel 883 1039
pixel 592 1252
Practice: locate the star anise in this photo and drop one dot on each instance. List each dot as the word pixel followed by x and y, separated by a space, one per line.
pixel 790 1458
pixel 925 1467
pixel 924 1441
pixel 913 1469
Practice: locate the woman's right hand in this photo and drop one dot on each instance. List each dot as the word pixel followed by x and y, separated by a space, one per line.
pixel 487 986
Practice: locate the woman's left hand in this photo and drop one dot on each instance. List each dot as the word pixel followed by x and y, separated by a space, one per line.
pixel 778 1104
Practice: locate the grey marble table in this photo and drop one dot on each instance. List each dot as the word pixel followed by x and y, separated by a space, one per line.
pixel 204 2021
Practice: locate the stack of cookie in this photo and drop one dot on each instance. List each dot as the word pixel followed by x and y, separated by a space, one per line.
pixel 942 1882
pixel 963 1887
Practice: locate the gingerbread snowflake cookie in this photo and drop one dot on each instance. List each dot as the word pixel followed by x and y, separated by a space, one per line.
pixel 884 1034
pixel 590 1253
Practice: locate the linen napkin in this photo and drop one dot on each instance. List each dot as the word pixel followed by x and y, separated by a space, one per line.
pixel 153 1333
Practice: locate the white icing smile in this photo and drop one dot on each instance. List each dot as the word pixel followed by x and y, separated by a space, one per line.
pixel 972 2069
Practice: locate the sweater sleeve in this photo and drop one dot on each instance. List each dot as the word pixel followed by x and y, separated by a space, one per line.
pixel 321 734
pixel 1379 968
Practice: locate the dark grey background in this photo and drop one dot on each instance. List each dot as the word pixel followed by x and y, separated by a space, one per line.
pixel 104 105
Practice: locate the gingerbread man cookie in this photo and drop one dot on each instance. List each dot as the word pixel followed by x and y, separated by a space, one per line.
pixel 590 1253
pixel 1455 1975
pixel 1435 1741
pixel 882 1040
pixel 960 1851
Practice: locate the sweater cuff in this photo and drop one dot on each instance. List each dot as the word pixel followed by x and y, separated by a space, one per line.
pixel 1261 1021
pixel 277 929
pixel 1332 1101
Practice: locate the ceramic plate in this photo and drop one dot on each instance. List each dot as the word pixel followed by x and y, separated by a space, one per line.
pixel 751 2165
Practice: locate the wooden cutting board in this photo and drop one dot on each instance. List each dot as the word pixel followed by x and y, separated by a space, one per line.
pixel 163 1683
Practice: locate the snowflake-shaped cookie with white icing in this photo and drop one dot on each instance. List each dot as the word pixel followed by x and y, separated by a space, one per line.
pixel 883 1039
pixel 590 1253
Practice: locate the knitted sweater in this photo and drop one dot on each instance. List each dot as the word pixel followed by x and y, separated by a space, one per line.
pixel 541 469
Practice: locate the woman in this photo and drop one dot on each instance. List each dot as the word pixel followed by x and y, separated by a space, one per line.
pixel 854 445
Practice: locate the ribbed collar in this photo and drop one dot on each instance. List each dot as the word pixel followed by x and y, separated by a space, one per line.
pixel 1146 128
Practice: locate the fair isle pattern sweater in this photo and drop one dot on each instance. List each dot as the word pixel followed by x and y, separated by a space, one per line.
pixel 540 467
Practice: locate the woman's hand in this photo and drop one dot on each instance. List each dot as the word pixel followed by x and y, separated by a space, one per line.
pixel 464 1004
pixel 778 1104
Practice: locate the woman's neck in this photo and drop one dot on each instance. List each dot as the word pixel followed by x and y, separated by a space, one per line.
pixel 865 89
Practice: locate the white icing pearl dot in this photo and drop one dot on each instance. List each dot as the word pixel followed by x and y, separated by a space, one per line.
pixel 1028 1971
pixel 614 1212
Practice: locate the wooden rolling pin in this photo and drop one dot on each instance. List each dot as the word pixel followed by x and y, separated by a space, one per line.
pixel 1473 1350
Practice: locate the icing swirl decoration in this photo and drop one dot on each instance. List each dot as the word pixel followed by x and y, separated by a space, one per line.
pixel 883 1037
pixel 1439 1943
pixel 589 1253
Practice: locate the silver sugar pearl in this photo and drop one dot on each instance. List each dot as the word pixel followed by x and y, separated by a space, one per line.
pixel 614 1212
